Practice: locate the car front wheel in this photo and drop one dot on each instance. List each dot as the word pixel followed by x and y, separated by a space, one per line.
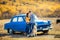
pixel 45 31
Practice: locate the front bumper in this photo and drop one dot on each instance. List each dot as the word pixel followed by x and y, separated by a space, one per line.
pixel 48 28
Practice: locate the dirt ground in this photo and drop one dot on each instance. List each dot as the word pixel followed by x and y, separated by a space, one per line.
pixel 53 34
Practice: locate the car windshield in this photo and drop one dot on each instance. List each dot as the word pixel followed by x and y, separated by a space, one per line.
pixel 36 17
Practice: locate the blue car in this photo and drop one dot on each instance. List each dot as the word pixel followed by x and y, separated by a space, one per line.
pixel 18 24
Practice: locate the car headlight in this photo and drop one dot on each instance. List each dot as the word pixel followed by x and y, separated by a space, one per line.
pixel 49 22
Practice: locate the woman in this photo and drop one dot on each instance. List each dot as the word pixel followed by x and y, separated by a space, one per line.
pixel 28 24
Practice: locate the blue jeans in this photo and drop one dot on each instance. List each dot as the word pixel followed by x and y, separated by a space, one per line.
pixel 29 28
pixel 32 27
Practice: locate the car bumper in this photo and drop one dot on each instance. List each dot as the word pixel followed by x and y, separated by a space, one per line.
pixel 48 28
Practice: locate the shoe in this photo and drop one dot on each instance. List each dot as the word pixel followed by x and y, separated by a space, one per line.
pixel 33 35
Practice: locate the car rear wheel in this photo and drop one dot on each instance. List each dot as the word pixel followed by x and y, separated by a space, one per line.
pixel 10 31
pixel 45 32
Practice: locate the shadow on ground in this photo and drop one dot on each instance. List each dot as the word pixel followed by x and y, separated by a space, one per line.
pixel 57 36
pixel 19 35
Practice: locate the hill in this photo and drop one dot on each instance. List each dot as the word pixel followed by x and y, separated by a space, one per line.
pixel 10 8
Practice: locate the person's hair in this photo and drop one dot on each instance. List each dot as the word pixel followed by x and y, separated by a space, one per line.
pixel 29 11
pixel 27 14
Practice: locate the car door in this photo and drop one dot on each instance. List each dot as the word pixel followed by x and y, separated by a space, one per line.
pixel 20 24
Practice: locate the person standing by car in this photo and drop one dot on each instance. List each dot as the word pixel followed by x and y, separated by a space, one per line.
pixel 32 22
pixel 30 19
pixel 28 24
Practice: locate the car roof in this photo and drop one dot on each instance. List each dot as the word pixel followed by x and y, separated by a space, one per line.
pixel 20 15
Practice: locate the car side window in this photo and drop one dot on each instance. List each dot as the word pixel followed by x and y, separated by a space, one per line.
pixel 20 19
pixel 14 19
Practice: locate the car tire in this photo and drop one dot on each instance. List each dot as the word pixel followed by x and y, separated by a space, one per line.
pixel 10 31
pixel 45 32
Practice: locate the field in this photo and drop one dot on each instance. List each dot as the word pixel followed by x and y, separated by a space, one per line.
pixel 9 8
pixel 53 34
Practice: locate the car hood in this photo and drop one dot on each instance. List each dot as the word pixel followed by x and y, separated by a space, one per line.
pixel 43 22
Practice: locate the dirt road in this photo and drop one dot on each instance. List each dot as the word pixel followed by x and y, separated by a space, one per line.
pixel 23 37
